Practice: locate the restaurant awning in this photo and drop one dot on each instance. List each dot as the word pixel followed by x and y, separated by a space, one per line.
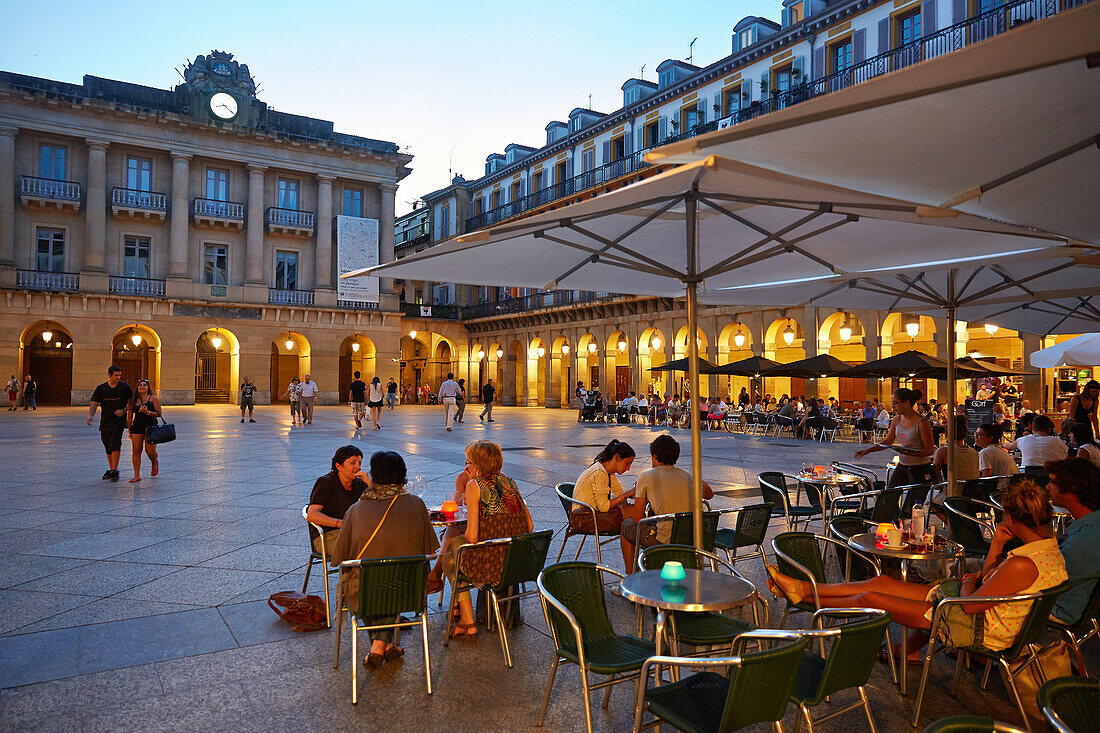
pixel 754 366
pixel 1083 350
pixel 909 365
pixel 683 365
pixel 991 369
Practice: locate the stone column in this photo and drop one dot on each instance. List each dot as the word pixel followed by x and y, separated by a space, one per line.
pixel 254 243
pixel 322 273
pixel 96 208
pixel 551 396
pixel 1033 383
pixel 7 199
pixel 178 234
pixel 387 300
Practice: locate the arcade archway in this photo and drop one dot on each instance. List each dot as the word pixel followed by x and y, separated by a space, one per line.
pixel 136 349
pixel 217 359
pixel 47 356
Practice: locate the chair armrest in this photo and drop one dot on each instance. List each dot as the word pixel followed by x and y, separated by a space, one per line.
pixel 1056 723
pixel 941 608
pixel 353 564
pixel 824 613
pixel 809 577
pixel 782 492
pixel 578 501
pixel 548 598
pixel 848 548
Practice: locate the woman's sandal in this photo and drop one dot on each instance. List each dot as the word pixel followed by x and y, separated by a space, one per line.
pixel 156 468
pixel 393 653
pixel 466 631
pixel 777 590
pixel 374 661
pixel 134 480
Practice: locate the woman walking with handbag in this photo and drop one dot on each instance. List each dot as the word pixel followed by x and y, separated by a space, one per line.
pixel 141 414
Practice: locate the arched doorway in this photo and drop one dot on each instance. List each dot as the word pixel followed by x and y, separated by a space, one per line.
pixel 136 349
pixel 682 351
pixel 514 370
pixel 841 336
pixel 414 365
pixel 588 363
pixel 783 343
pixel 290 358
pixel 734 344
pixel 441 365
pixel 47 350
pixel 561 373
pixel 536 373
pixel 357 354
pixel 651 353
pixel 217 352
pixel 903 332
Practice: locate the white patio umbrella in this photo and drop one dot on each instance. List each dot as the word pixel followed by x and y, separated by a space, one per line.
pixel 1084 350
pixel 1006 128
pixel 707 226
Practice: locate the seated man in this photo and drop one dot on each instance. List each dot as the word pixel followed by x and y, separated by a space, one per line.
pixel 1042 446
pixel 666 489
pixel 334 493
pixel 1074 485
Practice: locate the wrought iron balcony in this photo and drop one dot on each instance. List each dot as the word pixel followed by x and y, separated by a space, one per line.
pixel 222 214
pixel 46 192
pixel 413 242
pixel 423 310
pixel 136 286
pixel 54 282
pixel 290 222
pixel 535 301
pixel 132 203
pixel 356 305
pixel 278 296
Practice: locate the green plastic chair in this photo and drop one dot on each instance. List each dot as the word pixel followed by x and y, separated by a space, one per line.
pixel 852 652
pixel 801 555
pixel 914 494
pixel 701 629
pixel 1070 704
pixel 572 595
pixel 773 490
pixel 682 531
pixel 1024 647
pixel 842 527
pixel 965 527
pixel 750 531
pixel 565 496
pixel 315 530
pixel 388 586
pixel 524 559
pixel 1085 628
pixel 971 724
pixel 756 689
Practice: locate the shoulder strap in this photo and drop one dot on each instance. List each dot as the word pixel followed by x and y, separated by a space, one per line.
pixel 375 532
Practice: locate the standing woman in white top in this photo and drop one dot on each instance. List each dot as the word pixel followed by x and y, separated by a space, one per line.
pixel 912 432
pixel 375 398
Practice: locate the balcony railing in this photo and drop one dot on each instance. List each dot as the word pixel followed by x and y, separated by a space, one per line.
pixel 547 299
pixel 946 40
pixel 136 286
pixel 356 305
pixel 278 296
pixel 47 188
pixel 56 282
pixel 421 310
pixel 289 218
pixel 418 240
pixel 131 198
pixel 214 209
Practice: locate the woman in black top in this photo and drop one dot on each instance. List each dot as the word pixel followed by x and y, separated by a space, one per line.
pixel 141 413
pixel 1082 407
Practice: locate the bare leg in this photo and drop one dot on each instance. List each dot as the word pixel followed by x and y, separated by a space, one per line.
pixel 628 554
pixel 452 531
pixel 906 611
pixel 151 451
pixel 137 441
pixel 881 584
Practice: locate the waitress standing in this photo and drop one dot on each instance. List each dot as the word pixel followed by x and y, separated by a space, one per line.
pixel 913 435
pixel 1082 407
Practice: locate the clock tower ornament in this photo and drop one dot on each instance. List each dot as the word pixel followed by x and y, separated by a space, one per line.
pixel 218 88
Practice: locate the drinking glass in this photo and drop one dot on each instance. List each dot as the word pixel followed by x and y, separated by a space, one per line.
pixel 419 486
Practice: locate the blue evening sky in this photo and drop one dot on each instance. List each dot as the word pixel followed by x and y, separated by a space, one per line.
pixel 451 81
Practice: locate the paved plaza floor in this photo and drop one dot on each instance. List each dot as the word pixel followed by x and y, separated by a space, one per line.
pixel 143 606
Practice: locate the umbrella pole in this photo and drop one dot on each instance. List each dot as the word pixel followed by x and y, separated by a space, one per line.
pixel 691 286
pixel 951 341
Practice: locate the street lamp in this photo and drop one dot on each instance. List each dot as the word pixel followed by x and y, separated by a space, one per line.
pixel 739 338
pixel 591 347
pixel 480 354
pixel 913 327
pixel 289 343
pixel 355 346
pixel 500 353
pixel 845 330
pixel 47 335
pixel 991 329
pixel 136 339
pixel 788 334
pixel 540 351
pixel 216 342
pixel 565 349
pixel 412 335
pixel 655 343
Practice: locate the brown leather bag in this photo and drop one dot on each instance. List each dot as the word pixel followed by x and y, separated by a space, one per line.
pixel 303 613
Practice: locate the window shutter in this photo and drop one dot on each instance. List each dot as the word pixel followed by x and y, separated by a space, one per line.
pixel 641 135
pixel 746 92
pixel 606 152
pixel 662 128
pixel 928 17
pixel 958 11
pixel 519 191
pixel 798 70
pixel 859 46
pixel 676 122
pixel 884 35
pixel 702 107
pixel 718 105
pixel 569 166
pixel 819 62
pixel 627 140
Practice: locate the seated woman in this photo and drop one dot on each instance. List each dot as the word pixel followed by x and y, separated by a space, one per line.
pixel 675 410
pixel 495 509
pixel 599 486
pixel 385 522
pixel 1034 566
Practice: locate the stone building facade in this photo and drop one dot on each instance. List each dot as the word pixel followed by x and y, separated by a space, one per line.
pixel 188 234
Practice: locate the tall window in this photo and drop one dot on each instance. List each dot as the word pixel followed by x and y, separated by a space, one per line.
pixel 985 6
pixel 286 270
pixel 288 194
pixel 841 55
pixel 135 261
pixel 513 193
pixel 731 100
pixel 50 254
pixel 651 134
pixel 353 202
pixel 51 162
pixel 689 118
pixel 745 38
pixel 559 172
pixel 795 12
pixel 618 148
pixel 496 198
pixel 536 182
pixel 588 160
pixel 908 27
pixel 479 205
pixel 217 184
pixel 139 174
pixel 215 264
pixel 444 222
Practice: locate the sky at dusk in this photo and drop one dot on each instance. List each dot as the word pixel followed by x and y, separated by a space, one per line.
pixel 449 81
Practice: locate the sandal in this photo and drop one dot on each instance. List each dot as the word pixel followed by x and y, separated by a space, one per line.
pixel 374 661
pixel 466 631
pixel 134 480
pixel 778 590
pixel 393 653
pixel 156 468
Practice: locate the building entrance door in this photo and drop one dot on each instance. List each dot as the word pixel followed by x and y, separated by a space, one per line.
pixel 622 382
pixel 51 367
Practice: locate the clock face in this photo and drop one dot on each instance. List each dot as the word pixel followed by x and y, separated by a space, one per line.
pixel 223 106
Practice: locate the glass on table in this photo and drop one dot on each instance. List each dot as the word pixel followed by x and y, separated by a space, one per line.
pixel 419 486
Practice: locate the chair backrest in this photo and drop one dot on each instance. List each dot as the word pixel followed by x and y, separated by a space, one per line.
pixel 977 488
pixel 1092 608
pixel 1074 699
pixel 852 656
pixel 752 525
pixel 683 532
pixel 801 547
pixel 313 533
pixel 887 505
pixel 773 488
pixel 760 687
pixel 968 724
pixel 391 586
pixel 566 489
pixel 579 587
pixel 525 557
pixel 655 557
pixel 1035 623
pixel 963 524
pixel 914 494
pixel 841 527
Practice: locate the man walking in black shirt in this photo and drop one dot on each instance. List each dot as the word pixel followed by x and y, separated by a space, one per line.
pixel 113 396
pixel 248 389
pixel 487 394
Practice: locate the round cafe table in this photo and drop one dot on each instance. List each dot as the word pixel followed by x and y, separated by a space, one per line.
pixel 868 543
pixel 826 486
pixel 442 521
pixel 700 590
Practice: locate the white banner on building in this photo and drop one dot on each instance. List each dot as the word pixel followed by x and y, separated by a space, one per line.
pixel 356 248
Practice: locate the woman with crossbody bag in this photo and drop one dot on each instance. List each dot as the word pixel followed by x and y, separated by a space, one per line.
pixel 385 522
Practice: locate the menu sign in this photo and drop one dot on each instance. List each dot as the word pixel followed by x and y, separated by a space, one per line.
pixel 977 413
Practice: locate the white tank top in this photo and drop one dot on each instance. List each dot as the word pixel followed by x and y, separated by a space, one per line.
pixel 910 438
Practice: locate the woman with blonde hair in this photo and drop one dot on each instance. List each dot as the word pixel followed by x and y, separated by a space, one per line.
pixel 141 414
pixel 494 509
